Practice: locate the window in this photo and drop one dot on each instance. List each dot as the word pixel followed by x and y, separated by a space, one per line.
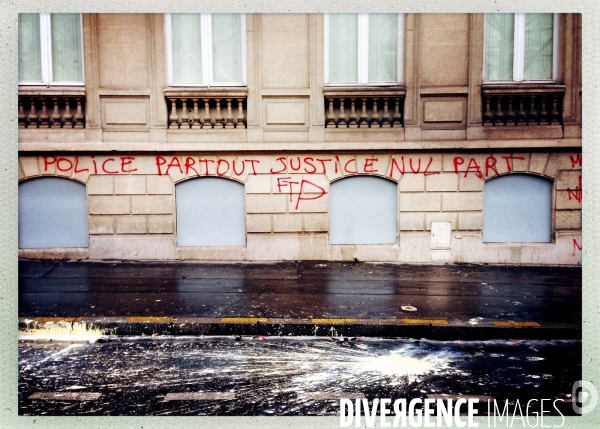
pixel 363 49
pixel 52 213
pixel 50 49
pixel 517 208
pixel 363 210
pixel 210 212
pixel 206 49
pixel 520 47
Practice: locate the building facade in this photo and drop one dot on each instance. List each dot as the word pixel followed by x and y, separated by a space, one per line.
pixel 412 138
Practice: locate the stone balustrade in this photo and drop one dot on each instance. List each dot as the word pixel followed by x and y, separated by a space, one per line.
pixel 200 108
pixel 51 108
pixel 522 105
pixel 372 107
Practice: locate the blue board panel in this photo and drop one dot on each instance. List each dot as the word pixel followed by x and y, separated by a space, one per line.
pixel 52 213
pixel 517 208
pixel 210 212
pixel 363 210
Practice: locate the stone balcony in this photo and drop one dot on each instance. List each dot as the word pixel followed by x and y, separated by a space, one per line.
pixel 522 105
pixel 206 108
pixel 54 107
pixel 364 107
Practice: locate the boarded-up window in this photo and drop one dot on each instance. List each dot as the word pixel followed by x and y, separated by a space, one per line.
pixel 363 210
pixel 210 212
pixel 52 213
pixel 517 208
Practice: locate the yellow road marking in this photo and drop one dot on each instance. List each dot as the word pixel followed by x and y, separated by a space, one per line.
pixel 199 396
pixel 518 324
pixel 55 319
pixel 333 320
pixel 149 319
pixel 243 319
pixel 66 396
pixel 424 321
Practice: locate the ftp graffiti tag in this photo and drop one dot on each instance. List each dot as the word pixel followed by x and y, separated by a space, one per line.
pixel 306 187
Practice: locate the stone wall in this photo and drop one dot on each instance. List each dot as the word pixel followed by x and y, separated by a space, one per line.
pixel 131 203
pixel 131 153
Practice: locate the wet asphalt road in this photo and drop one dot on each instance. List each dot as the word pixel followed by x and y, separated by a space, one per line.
pixel 299 290
pixel 281 376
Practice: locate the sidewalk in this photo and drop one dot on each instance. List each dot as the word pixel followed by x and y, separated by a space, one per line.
pixel 470 302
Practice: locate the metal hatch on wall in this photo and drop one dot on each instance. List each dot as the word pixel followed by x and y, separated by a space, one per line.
pixel 517 208
pixel 52 213
pixel 210 212
pixel 363 210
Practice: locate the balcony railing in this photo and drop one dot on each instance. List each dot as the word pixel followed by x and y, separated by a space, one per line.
pixel 51 108
pixel 195 108
pixel 374 107
pixel 522 105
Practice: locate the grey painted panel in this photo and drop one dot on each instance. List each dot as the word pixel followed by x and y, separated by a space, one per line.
pixel 517 208
pixel 52 213
pixel 363 210
pixel 210 212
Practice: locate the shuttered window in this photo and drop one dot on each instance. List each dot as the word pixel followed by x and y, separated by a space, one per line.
pixel 517 208
pixel 363 210
pixel 210 212
pixel 52 213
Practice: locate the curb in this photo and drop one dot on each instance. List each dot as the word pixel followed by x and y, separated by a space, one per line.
pixel 434 329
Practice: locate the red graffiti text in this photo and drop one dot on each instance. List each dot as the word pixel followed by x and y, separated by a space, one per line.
pixel 577 193
pixel 576 247
pixel 490 166
pixel 194 166
pixel 119 165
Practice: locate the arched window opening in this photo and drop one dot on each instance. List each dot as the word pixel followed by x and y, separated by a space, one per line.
pixel 210 212
pixel 52 213
pixel 517 208
pixel 363 210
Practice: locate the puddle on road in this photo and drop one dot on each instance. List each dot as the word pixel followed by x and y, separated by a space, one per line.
pixel 397 364
pixel 272 377
pixel 63 331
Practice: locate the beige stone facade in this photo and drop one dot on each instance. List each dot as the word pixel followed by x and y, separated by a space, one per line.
pixel 278 142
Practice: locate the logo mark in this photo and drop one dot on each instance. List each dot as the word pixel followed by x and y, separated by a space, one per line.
pixel 584 393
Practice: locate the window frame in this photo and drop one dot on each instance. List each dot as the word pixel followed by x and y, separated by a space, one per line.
pixel 519 52
pixel 46 55
pixel 207 60
pixel 363 54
